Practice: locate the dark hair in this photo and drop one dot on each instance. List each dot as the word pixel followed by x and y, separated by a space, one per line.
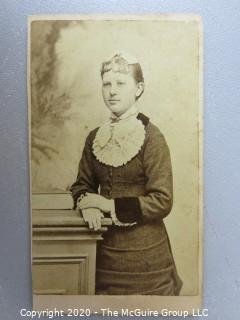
pixel 119 64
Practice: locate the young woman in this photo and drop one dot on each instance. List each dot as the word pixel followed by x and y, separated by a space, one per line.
pixel 125 173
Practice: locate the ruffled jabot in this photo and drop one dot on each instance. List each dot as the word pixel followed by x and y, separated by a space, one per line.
pixel 119 140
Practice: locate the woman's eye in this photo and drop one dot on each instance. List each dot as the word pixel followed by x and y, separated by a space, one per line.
pixel 106 84
pixel 120 83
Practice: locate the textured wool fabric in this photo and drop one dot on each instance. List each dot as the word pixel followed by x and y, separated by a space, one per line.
pixel 136 259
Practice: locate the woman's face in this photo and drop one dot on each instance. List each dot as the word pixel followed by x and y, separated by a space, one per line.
pixel 119 91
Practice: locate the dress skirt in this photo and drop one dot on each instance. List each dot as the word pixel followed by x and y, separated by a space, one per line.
pixel 146 270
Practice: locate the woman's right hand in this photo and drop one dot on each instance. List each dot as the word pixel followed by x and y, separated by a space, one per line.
pixel 93 217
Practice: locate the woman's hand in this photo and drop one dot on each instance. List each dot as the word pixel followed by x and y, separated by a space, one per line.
pixel 92 200
pixel 93 217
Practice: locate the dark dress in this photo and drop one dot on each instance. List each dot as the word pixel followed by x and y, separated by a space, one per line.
pixel 136 259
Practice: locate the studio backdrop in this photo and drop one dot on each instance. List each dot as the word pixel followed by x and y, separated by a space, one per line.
pixel 65 104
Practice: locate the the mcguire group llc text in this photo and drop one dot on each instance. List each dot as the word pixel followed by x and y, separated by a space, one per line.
pixel 107 312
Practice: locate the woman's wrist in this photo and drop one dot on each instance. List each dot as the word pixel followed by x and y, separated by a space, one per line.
pixel 89 200
pixel 80 198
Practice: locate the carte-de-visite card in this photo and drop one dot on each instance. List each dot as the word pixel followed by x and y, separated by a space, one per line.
pixel 115 110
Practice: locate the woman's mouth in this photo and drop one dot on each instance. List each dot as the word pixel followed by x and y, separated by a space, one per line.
pixel 113 101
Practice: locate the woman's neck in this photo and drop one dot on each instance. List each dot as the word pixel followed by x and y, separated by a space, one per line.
pixel 129 112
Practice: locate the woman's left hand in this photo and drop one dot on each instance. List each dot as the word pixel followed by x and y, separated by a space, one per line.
pixel 92 200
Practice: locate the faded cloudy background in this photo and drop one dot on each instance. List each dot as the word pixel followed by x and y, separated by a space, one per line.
pixel 66 103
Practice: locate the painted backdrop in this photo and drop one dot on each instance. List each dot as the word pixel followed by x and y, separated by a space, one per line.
pixel 66 103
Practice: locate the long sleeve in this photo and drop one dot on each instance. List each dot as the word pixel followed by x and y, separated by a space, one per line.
pixel 86 180
pixel 157 202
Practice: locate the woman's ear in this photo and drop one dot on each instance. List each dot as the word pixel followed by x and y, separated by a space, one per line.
pixel 140 89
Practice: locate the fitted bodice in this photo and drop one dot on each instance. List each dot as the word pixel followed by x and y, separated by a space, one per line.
pixel 147 177
pixel 125 181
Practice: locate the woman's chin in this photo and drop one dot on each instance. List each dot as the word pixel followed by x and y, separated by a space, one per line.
pixel 117 110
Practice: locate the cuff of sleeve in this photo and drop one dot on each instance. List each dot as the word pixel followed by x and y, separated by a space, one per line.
pixel 128 209
pixel 76 197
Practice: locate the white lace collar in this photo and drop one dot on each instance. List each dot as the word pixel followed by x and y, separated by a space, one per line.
pixel 120 139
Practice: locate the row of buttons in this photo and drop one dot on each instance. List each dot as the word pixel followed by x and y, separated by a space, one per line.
pixel 118 175
pixel 109 191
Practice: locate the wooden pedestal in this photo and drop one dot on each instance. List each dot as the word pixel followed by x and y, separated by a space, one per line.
pixel 63 253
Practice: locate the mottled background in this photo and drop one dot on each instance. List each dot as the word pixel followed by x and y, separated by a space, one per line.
pixel 221 155
pixel 66 103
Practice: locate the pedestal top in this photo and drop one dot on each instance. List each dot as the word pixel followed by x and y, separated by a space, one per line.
pixel 63 218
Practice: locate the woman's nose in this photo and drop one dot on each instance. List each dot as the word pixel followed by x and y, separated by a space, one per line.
pixel 113 90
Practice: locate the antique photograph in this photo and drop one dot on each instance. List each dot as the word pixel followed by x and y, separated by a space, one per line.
pixel 115 133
